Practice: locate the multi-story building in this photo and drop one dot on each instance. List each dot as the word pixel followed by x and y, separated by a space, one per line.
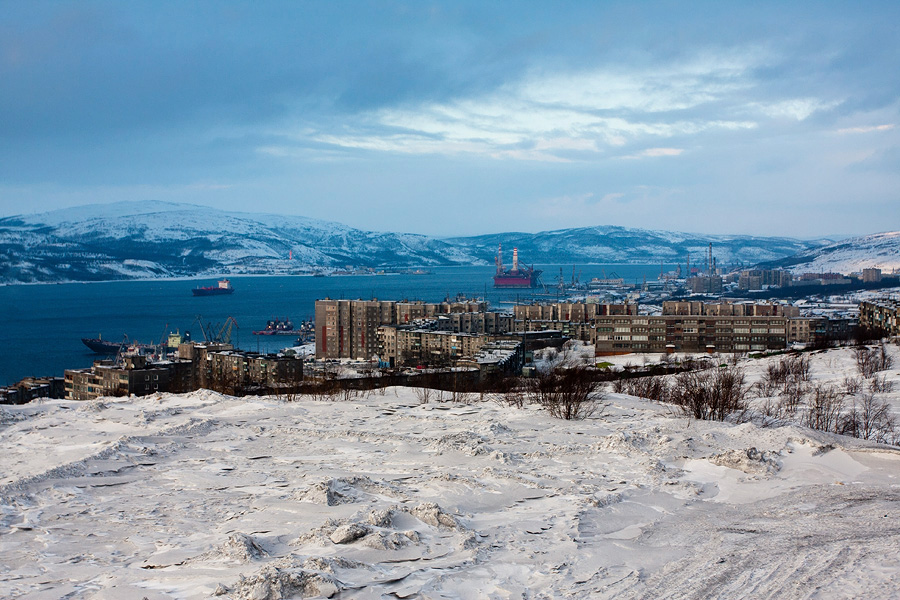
pixel 880 315
pixel 476 322
pixel 213 366
pixel 871 275
pixel 408 345
pixel 757 279
pixel 137 376
pixel 577 330
pixel 32 388
pixel 581 312
pixel 725 309
pixel 690 333
pixel 349 328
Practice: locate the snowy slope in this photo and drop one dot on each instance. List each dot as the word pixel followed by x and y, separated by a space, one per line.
pixel 87 243
pixel 607 244
pixel 97 242
pixel 202 495
pixel 881 250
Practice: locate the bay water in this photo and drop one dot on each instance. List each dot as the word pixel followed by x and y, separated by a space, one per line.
pixel 42 325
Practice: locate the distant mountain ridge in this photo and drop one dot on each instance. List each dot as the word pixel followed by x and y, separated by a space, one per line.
pixel 611 244
pixel 152 239
pixel 878 250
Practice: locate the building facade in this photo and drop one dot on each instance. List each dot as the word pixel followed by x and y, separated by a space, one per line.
pixel 880 315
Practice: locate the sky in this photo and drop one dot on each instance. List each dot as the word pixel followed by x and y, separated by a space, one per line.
pixel 461 118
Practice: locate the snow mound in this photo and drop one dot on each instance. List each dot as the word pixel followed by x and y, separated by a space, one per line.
pixel 242 547
pixel 751 461
pixel 283 580
pixel 467 442
pixel 343 490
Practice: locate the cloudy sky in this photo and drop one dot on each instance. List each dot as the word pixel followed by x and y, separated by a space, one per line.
pixel 449 118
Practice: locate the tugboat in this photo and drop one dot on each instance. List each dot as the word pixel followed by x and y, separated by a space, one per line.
pixel 224 287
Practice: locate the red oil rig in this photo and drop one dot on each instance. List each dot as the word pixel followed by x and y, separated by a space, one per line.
pixel 516 277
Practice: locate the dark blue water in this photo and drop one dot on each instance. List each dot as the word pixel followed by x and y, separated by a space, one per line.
pixel 42 325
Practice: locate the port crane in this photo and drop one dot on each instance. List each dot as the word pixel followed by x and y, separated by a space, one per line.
pixel 220 334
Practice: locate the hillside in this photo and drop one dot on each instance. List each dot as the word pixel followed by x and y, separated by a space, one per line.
pixel 159 239
pixel 607 244
pixel 203 495
pixel 881 250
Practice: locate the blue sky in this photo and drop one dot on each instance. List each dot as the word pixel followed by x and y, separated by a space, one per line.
pixel 457 118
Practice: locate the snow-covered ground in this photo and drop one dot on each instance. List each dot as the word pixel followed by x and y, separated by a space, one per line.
pixel 198 495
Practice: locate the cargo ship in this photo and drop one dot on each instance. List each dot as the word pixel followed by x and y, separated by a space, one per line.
pixel 101 346
pixel 515 277
pixel 224 287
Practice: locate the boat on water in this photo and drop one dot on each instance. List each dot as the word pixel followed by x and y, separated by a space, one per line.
pixel 100 346
pixel 224 287
pixel 277 327
pixel 517 276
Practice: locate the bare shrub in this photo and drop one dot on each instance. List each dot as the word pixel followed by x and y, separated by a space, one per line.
pixel 652 388
pixel 824 409
pixel 425 394
pixel 569 394
pixel 712 394
pixel 852 385
pixel 870 419
pixel 885 360
pixel 792 395
pixel 880 385
pixel 508 391
pixel 871 360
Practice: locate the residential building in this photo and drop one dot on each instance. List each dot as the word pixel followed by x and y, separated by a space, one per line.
pixel 881 315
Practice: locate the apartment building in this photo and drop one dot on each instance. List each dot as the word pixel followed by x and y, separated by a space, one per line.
pixel 881 314
pixel 690 333
pixel 727 309
pixel 137 376
pixel 579 312
pixel 413 346
pixel 349 328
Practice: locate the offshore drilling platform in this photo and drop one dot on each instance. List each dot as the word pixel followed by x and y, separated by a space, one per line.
pixel 515 277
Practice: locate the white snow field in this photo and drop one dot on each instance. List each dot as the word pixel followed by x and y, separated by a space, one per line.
pixel 202 495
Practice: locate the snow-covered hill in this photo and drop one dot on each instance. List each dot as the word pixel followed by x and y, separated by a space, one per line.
pixel 160 239
pixel 881 250
pixel 607 244
pixel 209 496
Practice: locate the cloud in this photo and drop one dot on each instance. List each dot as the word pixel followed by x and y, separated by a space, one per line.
pixel 655 152
pixel 575 116
pixel 866 129
pixel 798 109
